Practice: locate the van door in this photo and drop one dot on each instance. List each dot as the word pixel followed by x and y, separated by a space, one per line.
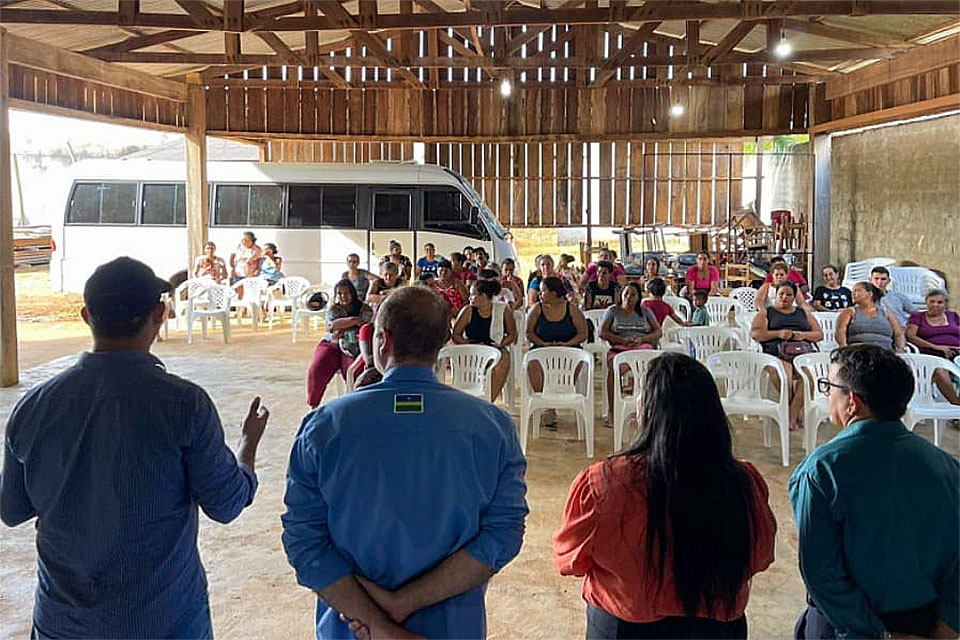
pixel 391 218
pixel 447 224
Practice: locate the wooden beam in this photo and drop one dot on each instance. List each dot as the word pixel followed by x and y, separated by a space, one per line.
pixel 630 46
pixel 127 11
pixel 141 42
pixel 693 42
pixel 728 42
pixel 520 15
pixel 914 62
pixel 9 356
pixel 201 14
pixel 64 112
pixel 842 34
pixel 311 38
pixel 231 46
pixel 903 112
pixel 37 55
pixel 197 194
pixel 233 18
pixel 291 57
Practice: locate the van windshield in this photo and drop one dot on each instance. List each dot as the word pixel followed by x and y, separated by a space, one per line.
pixel 491 220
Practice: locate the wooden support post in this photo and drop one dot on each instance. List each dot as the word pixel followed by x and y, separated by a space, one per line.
pixel 821 201
pixel 9 358
pixel 198 200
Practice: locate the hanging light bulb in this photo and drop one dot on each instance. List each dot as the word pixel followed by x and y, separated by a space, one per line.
pixel 783 49
pixel 506 88
pixel 676 110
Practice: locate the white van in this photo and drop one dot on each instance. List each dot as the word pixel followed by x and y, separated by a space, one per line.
pixel 316 214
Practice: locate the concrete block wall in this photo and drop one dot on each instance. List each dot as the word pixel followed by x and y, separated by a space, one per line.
pixel 895 192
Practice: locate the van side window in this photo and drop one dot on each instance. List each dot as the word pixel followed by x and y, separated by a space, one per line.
pixel 303 206
pixel 322 206
pixel 259 205
pixel 448 211
pixel 391 210
pixel 103 203
pixel 340 207
pixel 163 204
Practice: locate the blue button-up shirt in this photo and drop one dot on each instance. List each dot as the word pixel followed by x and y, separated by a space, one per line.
pixel 113 456
pixel 877 508
pixel 390 480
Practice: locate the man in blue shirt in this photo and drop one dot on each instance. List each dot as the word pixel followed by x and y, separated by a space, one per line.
pixel 893 301
pixel 405 497
pixel 112 458
pixel 877 510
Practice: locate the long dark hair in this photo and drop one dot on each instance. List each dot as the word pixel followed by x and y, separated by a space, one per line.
pixel 699 499
pixel 357 305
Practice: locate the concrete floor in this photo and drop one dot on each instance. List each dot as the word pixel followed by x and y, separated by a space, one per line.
pixel 253 593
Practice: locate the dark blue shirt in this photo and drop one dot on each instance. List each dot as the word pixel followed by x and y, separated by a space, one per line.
pixel 112 457
pixel 877 510
pixel 390 480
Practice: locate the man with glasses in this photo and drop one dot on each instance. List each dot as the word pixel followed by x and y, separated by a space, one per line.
pixel 359 277
pixel 877 511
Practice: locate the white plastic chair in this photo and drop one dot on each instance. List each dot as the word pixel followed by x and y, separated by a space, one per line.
pixel 516 357
pixel 471 367
pixel 563 388
pixel 285 295
pixel 915 282
pixel 718 307
pixel 302 312
pixel 746 296
pixel 828 324
pixel 184 292
pixel 213 304
pixel 625 404
pixel 816 406
pixel 855 272
pixel 923 405
pixel 254 290
pixel 598 347
pixel 745 376
pixel 706 341
pixel 680 305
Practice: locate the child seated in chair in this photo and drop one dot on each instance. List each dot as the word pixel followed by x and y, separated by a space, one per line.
pixel 270 263
pixel 701 317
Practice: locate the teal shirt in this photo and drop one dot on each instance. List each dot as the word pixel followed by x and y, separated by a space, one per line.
pixel 877 510
pixel 701 318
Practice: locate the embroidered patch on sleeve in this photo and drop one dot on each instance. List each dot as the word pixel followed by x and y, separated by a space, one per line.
pixel 408 403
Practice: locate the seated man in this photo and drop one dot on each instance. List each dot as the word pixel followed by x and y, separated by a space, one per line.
pixel 893 301
pixel 876 508
pixel 404 498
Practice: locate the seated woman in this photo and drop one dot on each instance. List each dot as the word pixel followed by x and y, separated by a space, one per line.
pixel 209 265
pixel 784 330
pixel 484 321
pixel 388 281
pixel 626 326
pixel 703 276
pixel 553 322
pixel 651 271
pixel 831 296
pixel 868 322
pixel 767 293
pixel 338 349
pixel 602 292
pixel 245 260
pixel 936 332
pixel 452 289
pixel 669 533
pixel 509 294
pixel 271 263
pixel 545 270
pixel 508 275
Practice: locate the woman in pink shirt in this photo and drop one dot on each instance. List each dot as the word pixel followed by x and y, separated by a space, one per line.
pixel 703 276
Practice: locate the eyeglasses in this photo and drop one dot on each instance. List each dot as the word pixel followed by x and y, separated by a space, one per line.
pixel 824 386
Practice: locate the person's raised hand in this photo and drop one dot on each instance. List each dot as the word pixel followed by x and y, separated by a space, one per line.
pixel 256 421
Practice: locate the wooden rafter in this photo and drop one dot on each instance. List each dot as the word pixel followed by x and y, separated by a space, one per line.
pixel 514 16
pixel 201 14
pixel 143 41
pixel 842 34
pixel 295 58
pixel 630 46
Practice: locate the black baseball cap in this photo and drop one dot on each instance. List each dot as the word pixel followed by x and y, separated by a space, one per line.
pixel 123 289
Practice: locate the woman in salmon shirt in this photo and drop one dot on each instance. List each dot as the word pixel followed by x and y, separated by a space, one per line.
pixel 669 533
pixel 703 276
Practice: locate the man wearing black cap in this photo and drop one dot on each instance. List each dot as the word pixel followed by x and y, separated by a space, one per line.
pixel 113 457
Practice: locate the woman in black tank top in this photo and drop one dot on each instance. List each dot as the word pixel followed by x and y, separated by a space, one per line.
pixel 473 326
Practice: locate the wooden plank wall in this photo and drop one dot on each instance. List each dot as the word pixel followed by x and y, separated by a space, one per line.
pixel 47 89
pixel 918 88
pixel 678 182
pixel 308 108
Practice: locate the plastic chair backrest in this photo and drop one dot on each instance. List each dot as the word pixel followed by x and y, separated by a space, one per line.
pixel 855 272
pixel 595 317
pixel 560 367
pixel 746 296
pixel 828 324
pixel 253 288
pixel 638 361
pixel 470 363
pixel 680 305
pixel 193 287
pixel 743 372
pixel 304 297
pixel 292 287
pixel 218 297
pixel 812 367
pixel 914 282
pixel 719 309
pixel 923 366
pixel 707 341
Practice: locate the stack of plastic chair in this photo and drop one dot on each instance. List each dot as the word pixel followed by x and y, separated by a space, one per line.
pixel 816 409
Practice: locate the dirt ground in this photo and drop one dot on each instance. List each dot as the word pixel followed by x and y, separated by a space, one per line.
pixel 253 593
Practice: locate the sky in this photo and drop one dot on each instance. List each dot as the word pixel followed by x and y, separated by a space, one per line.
pixel 32 132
